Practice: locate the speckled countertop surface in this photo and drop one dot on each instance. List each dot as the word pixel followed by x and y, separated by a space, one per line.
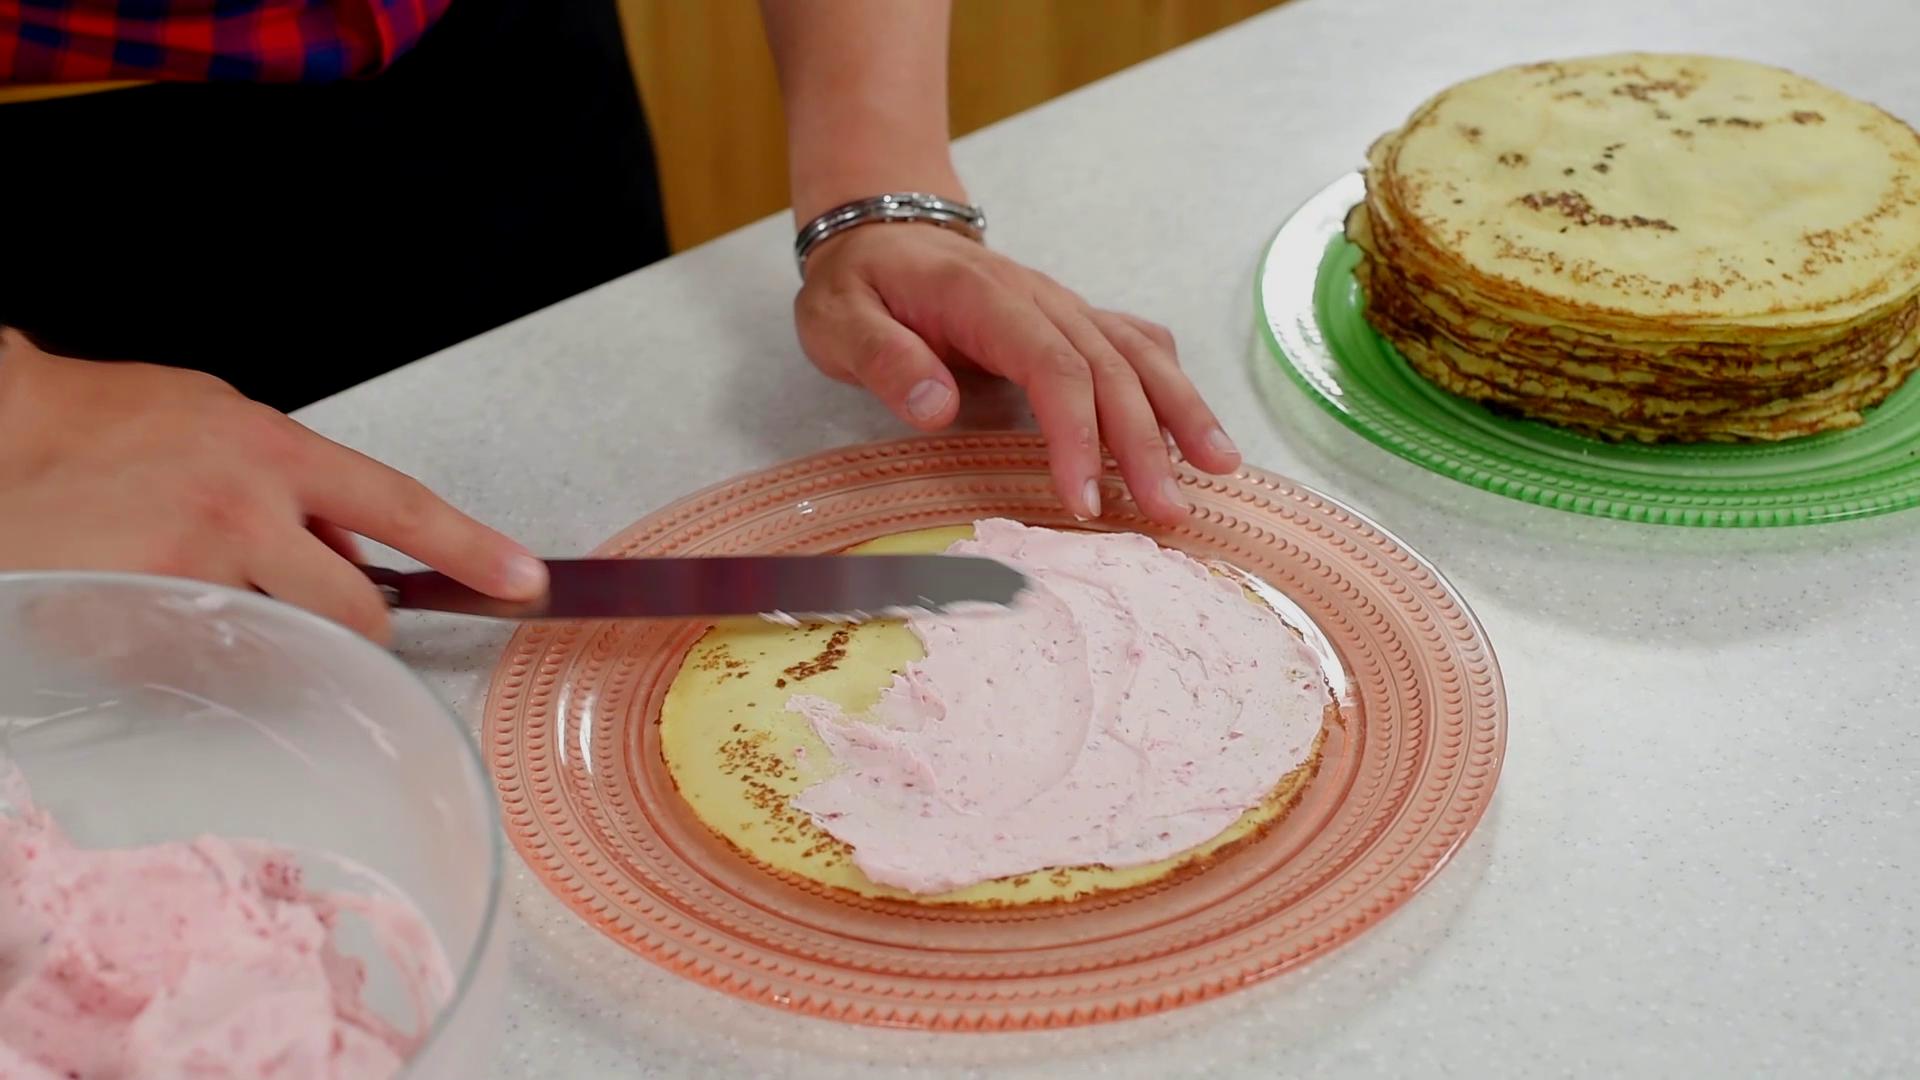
pixel 1704 855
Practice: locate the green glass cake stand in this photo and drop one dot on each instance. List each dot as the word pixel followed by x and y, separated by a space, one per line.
pixel 1310 309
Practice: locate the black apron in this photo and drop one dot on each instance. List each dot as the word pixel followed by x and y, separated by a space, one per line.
pixel 298 239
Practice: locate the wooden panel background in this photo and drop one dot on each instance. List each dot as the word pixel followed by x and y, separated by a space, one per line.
pixel 708 80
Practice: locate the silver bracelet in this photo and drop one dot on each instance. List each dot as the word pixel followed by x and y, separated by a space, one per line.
pixel 907 206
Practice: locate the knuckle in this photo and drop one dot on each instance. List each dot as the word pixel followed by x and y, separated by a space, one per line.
pixel 1070 440
pixel 200 382
pixel 812 302
pixel 365 613
pixel 831 366
pixel 265 433
pixel 177 555
pixel 1159 334
pixel 1108 364
pixel 1063 362
pixel 884 351
pixel 220 503
pixel 817 345
pixel 963 277
pixel 1046 284
pixel 1146 447
pixel 411 507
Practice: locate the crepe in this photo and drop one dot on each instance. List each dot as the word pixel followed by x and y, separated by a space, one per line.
pixel 739 757
pixel 1649 247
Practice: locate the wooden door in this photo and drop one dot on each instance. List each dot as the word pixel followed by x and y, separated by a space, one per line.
pixel 708 81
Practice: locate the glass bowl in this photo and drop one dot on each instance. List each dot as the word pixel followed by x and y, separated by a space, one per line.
pixel 141 710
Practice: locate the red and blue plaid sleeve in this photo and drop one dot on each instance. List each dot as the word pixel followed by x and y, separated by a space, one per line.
pixel 61 41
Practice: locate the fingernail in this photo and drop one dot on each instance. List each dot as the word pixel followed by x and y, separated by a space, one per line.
pixel 526 576
pixel 928 400
pixel 1090 498
pixel 1221 444
pixel 1171 489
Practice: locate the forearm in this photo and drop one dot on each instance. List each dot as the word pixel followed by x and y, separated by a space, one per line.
pixel 865 88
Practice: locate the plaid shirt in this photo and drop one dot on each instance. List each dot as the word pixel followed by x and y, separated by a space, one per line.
pixel 66 41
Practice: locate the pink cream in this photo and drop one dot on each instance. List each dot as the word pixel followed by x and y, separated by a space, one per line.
pixel 1131 707
pixel 203 959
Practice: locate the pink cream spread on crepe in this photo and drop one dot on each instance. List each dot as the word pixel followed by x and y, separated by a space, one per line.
pixel 207 958
pixel 1131 706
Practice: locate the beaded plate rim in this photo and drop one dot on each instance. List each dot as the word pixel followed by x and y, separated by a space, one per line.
pixel 1429 737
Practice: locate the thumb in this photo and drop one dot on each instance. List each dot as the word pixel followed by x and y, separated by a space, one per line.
pixel 854 336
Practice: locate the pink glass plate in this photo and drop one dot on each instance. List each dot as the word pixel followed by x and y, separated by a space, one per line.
pixel 571 731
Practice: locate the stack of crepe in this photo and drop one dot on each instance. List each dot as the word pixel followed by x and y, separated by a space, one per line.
pixel 1649 247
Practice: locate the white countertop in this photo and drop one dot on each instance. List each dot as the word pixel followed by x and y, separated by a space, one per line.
pixel 1704 854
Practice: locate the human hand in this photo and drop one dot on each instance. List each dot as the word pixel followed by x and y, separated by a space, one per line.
pixel 890 307
pixel 156 470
